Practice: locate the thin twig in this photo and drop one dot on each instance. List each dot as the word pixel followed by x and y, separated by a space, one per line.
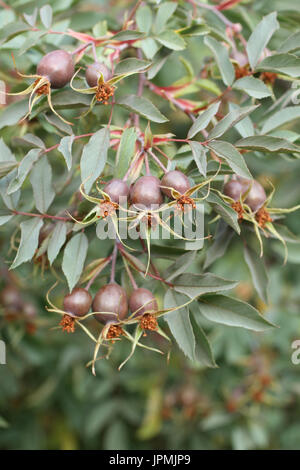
pixel 42 216
pixel 113 263
pixel 157 160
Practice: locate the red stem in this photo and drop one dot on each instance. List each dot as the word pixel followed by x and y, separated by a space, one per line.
pixel 42 216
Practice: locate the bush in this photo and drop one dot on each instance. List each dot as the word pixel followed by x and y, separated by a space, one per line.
pixel 140 214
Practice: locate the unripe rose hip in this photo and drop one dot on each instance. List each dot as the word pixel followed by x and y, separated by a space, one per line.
pixel 116 188
pixel 58 67
pixel 177 180
pixel 141 301
pixel 255 198
pixel 110 298
pixel 78 302
pixel 146 192
pixel 94 71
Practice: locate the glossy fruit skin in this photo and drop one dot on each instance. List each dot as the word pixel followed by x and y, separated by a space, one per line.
pixel 140 297
pixel 93 73
pixel 78 303
pixel 256 196
pixel 177 180
pixel 146 192
pixel 58 67
pixel 116 188
pixel 110 298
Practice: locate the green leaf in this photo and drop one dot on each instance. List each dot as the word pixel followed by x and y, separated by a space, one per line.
pixel 291 44
pixel 245 127
pixel 13 113
pixel 12 200
pixel 31 19
pixel 5 218
pixel 30 230
pixel 230 120
pixel 194 285
pixel 41 181
pixel 267 143
pixel 179 323
pixel 179 266
pixel 283 116
pixel 159 60
pixel 130 66
pixel 203 351
pixel 125 151
pixel 218 247
pixel 171 40
pixel 6 167
pixel 222 58
pixel 6 154
pixel 260 37
pixel 232 312
pixel 116 436
pixel 253 87
pixel 57 240
pixel 93 159
pixel 65 147
pixel 59 124
pixel 33 39
pixel 258 272
pixel 30 140
pixel 164 13
pixel 224 210
pixel 203 120
pixel 99 416
pixel 11 30
pixel 144 18
pixel 199 155
pixel 24 168
pixel 74 257
pixel 149 47
pixel 46 16
pixel 128 35
pixel 234 159
pixel 287 64
pixel 194 29
pixel 142 106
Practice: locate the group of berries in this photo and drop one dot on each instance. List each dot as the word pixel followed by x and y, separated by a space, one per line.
pixel 254 196
pixel 111 306
pixel 148 190
pixel 56 69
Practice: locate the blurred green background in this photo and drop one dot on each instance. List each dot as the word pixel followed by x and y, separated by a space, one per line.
pixel 50 400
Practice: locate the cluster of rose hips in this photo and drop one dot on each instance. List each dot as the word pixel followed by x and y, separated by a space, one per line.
pixel 148 190
pixel 56 69
pixel 111 301
pixel 250 192
pixel 111 306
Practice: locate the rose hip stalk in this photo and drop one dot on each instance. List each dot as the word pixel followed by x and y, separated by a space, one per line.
pixel 54 71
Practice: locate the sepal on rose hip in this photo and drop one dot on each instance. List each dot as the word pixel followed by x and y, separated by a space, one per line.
pixel 54 71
